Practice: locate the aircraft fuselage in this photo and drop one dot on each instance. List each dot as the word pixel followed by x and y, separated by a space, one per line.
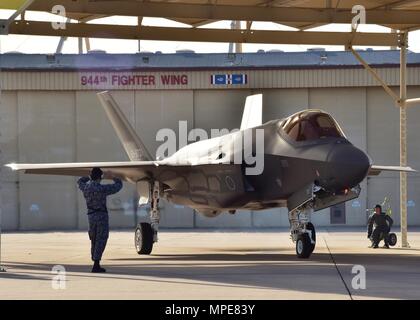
pixel 331 163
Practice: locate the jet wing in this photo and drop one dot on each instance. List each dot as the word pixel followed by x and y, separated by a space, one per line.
pixel 376 170
pixel 128 171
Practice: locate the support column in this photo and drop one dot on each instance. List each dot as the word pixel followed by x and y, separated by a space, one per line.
pixel 80 45
pixel 1 204
pixel 393 47
pixel 60 45
pixel 403 138
pixel 139 23
pixel 238 46
pixel 1 267
pixel 235 47
pixel 87 44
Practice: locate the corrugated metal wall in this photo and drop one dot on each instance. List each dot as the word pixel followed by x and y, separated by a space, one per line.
pixel 257 79
pixel 68 124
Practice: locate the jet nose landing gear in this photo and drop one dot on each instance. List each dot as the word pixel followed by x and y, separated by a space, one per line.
pixel 305 243
pixel 302 232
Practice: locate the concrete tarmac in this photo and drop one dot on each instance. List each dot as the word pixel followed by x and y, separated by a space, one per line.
pixel 250 264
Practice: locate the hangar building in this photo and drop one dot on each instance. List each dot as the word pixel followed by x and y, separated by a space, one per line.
pixel 49 113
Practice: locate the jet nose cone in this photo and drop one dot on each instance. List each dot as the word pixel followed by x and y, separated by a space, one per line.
pixel 348 166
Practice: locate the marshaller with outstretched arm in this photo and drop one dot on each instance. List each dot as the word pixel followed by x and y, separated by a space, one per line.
pixel 95 194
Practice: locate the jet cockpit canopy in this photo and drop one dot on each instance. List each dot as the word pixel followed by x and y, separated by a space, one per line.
pixel 311 125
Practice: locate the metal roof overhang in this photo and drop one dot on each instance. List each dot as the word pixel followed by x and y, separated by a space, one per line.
pixel 401 15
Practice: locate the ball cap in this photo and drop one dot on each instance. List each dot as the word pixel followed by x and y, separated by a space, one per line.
pixel 96 174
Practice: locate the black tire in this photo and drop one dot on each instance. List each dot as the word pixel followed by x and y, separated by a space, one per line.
pixel 392 239
pixel 311 227
pixel 143 238
pixel 303 246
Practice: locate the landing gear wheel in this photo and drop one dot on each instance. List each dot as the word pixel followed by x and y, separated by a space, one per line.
pixel 392 239
pixel 143 238
pixel 311 227
pixel 304 247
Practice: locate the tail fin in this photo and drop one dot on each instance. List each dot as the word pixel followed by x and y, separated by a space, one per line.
pixel 252 116
pixel 135 148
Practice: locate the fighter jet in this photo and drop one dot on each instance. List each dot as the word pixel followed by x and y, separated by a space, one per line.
pixel 306 164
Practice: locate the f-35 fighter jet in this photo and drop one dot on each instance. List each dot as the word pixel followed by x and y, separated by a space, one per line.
pixel 303 162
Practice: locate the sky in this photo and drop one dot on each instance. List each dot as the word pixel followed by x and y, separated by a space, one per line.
pixel 38 44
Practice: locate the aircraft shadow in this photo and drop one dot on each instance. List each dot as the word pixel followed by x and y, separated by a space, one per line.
pixel 394 276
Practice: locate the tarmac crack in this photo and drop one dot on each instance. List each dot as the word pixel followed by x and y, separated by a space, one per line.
pixel 338 269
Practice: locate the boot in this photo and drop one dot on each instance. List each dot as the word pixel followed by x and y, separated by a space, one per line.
pixel 97 267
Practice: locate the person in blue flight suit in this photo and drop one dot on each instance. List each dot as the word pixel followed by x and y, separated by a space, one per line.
pixel 95 195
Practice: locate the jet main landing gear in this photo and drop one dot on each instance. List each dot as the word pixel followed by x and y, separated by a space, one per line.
pixel 147 233
pixel 143 238
pixel 302 232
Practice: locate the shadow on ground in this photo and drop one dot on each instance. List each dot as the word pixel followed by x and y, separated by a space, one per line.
pixel 395 275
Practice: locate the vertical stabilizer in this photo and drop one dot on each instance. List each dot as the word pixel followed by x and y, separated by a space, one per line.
pixel 252 116
pixel 135 148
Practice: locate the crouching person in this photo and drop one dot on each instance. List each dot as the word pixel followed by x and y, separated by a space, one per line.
pixel 379 226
